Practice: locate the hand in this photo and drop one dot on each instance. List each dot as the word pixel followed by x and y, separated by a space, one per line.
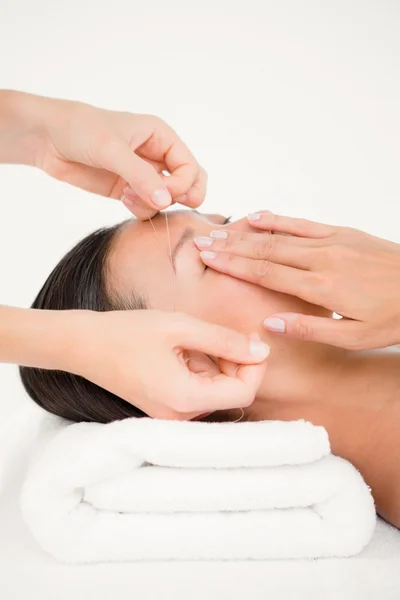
pixel 345 270
pixel 140 357
pixel 115 154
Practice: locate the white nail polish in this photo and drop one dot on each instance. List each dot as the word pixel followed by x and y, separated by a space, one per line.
pixel 208 255
pixel 161 198
pixel 275 324
pixel 254 216
pixel 203 242
pixel 259 349
pixel 222 235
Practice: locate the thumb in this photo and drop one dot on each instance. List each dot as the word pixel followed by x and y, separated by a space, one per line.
pixel 221 392
pixel 139 174
pixel 218 341
pixel 344 333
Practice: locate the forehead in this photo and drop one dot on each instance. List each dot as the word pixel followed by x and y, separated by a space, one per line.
pixel 158 224
pixel 139 260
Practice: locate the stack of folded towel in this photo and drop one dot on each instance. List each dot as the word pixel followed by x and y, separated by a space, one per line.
pixel 148 489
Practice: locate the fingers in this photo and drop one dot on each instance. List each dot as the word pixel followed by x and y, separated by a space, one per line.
pixel 118 158
pixel 222 391
pixel 265 246
pixel 192 199
pixel 138 208
pixel 218 341
pixel 343 333
pixel 192 196
pixel 299 227
pixel 266 273
pixel 185 172
pixel 186 177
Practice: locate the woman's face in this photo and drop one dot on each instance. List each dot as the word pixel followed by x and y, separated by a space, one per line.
pixel 140 263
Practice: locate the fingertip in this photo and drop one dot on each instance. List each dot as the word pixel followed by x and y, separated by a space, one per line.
pixel 275 325
pixel 138 210
pixel 161 198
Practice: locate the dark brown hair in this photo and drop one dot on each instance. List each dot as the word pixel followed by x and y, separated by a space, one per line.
pixel 79 282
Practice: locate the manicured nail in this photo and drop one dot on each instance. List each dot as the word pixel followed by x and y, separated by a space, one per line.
pixel 208 255
pixel 128 203
pixel 161 198
pixel 203 242
pixel 275 324
pixel 222 235
pixel 254 216
pixel 259 349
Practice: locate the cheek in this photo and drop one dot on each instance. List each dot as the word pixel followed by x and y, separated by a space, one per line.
pixel 230 302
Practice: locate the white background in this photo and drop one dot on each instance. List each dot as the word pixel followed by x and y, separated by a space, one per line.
pixel 291 106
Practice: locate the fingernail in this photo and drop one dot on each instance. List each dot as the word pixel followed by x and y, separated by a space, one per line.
pixel 208 255
pixel 128 203
pixel 203 242
pixel 259 349
pixel 222 235
pixel 254 216
pixel 275 324
pixel 161 198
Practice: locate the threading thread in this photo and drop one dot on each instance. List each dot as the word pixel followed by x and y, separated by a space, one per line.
pixel 169 254
pixel 240 418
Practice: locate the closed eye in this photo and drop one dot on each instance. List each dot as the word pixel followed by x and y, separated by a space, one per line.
pixel 226 221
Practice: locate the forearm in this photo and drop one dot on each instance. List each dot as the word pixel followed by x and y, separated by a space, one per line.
pixel 38 338
pixel 22 127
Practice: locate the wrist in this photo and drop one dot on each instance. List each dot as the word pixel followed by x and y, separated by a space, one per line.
pixel 23 127
pixel 40 338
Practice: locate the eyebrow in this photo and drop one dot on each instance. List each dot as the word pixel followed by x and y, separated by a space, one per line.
pixel 187 234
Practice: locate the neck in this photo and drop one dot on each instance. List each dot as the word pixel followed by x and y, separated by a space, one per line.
pixel 352 394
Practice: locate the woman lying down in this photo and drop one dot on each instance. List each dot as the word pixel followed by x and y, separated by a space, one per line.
pixel 354 395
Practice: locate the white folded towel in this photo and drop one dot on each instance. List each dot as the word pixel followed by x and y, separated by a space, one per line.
pixel 148 489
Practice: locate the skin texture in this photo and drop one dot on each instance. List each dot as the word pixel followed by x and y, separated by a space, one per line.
pixel 328 386
pixel 348 271
pixel 118 154
pixel 204 293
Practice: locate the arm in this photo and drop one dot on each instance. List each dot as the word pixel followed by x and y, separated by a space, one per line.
pixel 22 127
pixel 36 338
pixel 93 149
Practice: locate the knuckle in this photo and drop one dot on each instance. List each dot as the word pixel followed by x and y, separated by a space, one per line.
pixel 322 284
pixel 227 344
pixel 261 269
pixel 230 262
pixel 263 248
pixel 155 120
pixel 337 253
pixel 232 242
pixel 303 331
